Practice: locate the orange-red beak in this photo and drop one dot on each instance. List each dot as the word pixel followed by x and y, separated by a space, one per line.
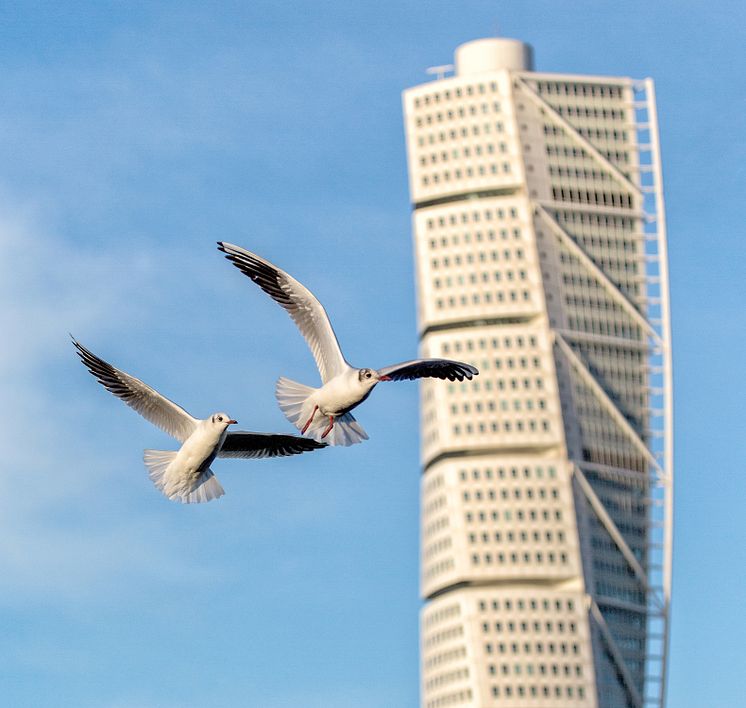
pixel 232 422
pixel 385 378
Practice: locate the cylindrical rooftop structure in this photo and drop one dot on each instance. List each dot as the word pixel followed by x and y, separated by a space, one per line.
pixel 492 54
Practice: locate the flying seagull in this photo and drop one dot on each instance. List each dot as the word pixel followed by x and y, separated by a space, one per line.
pixel 324 413
pixel 184 475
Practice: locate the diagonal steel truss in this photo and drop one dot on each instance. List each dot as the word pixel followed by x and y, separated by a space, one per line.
pixel 657 445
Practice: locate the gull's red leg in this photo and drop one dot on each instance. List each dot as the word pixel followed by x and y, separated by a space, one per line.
pixel 329 429
pixel 308 422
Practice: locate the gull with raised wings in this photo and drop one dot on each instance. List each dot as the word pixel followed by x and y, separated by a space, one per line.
pixel 184 475
pixel 324 413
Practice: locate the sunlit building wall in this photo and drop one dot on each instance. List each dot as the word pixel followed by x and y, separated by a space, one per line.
pixel 546 519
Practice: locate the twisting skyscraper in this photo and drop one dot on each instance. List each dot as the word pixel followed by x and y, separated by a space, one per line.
pixel 547 481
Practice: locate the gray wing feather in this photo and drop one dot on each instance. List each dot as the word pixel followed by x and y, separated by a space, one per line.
pixel 247 445
pixel 169 417
pixel 300 303
pixel 429 368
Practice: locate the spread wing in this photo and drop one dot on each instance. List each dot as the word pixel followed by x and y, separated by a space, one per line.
pixel 169 417
pixel 299 302
pixel 429 369
pixel 255 445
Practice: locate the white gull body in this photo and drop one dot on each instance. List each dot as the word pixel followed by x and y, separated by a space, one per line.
pixel 184 475
pixel 323 413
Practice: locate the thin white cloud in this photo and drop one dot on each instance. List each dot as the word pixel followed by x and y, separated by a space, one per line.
pixel 53 547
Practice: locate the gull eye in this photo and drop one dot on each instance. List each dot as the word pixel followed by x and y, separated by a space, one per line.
pixel 367 376
pixel 220 418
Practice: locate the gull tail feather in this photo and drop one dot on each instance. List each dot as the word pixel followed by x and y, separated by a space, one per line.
pixel 206 487
pixel 293 398
pixel 157 462
pixel 346 431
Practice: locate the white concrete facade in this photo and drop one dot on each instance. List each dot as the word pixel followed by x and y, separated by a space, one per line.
pixel 546 511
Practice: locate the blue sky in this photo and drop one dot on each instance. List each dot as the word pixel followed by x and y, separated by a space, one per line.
pixel 135 135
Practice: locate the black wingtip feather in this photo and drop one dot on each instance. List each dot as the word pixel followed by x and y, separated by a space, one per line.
pixel 263 274
pixel 266 445
pixel 102 371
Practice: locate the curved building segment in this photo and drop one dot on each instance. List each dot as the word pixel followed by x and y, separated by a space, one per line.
pixel 547 480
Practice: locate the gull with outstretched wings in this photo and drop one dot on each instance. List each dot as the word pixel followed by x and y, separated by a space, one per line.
pixel 184 475
pixel 324 413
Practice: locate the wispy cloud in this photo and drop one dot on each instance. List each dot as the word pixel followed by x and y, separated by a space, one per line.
pixel 56 545
pixel 128 148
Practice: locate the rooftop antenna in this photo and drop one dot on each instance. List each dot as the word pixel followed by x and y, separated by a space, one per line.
pixel 439 71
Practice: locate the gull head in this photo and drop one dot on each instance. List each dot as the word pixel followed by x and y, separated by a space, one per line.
pixel 221 420
pixel 369 377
